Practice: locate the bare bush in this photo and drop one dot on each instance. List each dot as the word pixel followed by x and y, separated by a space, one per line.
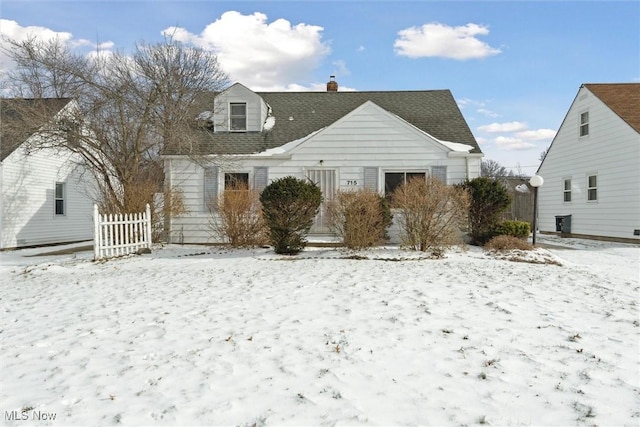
pixel 431 214
pixel 237 218
pixel 360 218
pixel 507 243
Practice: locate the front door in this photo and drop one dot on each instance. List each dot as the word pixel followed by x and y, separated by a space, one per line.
pixel 326 180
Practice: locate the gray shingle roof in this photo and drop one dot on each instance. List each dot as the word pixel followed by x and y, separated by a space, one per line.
pixel 433 111
pixel 20 118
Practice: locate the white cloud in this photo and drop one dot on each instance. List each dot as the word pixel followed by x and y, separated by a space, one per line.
pixel 12 30
pixel 439 40
pixel 341 68
pixel 514 135
pixel 512 143
pixel 537 135
pixel 503 127
pixel 488 113
pixel 261 55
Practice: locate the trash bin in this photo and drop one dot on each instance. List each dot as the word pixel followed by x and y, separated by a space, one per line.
pixel 563 224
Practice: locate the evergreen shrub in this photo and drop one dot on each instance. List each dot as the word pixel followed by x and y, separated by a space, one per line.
pixel 289 206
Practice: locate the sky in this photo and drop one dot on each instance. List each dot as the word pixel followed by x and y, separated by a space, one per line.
pixel 514 67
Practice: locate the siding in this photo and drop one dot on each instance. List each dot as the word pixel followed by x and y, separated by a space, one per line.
pixel 28 215
pixel 612 152
pixel 367 138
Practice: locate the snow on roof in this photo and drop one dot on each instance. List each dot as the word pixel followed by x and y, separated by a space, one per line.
pixel 283 149
pixel 269 123
pixel 455 146
pixel 205 115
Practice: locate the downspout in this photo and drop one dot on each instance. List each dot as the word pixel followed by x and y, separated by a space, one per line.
pixel 468 166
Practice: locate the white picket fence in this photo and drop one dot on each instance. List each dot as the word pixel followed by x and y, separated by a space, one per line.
pixel 120 234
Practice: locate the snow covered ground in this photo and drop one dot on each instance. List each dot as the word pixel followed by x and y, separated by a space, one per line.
pixel 193 335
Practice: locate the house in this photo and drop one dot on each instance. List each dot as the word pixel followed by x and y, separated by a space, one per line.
pixel 340 140
pixel 592 168
pixel 44 198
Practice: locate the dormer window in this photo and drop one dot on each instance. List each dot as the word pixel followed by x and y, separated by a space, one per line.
pixel 238 116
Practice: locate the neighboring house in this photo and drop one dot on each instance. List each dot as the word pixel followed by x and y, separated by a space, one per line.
pixel 592 169
pixel 340 140
pixel 44 198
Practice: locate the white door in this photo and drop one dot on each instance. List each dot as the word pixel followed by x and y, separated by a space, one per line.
pixel 326 180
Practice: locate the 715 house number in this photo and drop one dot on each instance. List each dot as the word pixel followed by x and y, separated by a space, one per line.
pixel 352 182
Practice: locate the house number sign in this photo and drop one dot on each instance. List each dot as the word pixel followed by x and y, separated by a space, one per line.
pixel 352 182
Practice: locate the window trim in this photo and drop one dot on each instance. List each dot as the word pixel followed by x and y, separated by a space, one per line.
pixel 583 125
pixel 592 188
pixel 232 116
pixel 566 191
pixel 62 198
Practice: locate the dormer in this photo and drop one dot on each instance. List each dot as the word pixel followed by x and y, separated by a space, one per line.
pixel 239 109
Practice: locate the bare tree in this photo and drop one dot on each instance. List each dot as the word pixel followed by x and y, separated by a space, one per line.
pixel 493 169
pixel 129 108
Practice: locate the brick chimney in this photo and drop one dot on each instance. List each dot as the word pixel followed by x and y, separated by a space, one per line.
pixel 332 84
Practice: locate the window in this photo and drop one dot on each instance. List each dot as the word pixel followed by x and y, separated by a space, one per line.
pixel 59 198
pixel 592 188
pixel 238 116
pixel 393 180
pixel 236 181
pixel 584 124
pixel 567 190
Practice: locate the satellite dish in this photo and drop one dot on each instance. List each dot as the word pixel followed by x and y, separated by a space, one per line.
pixel 522 188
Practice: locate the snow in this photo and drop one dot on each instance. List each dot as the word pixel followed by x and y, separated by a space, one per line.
pixel 205 115
pixel 197 335
pixel 269 123
pixel 455 146
pixel 285 148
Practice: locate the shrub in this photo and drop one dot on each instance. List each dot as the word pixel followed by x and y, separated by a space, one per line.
pixel 489 198
pixel 507 243
pixel 360 218
pixel 289 205
pixel 520 229
pixel 238 218
pixel 431 214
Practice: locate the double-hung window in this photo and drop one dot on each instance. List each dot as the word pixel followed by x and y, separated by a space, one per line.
pixel 60 197
pixel 592 188
pixel 238 116
pixel 567 189
pixel 584 124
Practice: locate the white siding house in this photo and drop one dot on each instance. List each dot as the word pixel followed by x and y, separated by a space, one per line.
pixel 44 198
pixel 592 169
pixel 340 140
